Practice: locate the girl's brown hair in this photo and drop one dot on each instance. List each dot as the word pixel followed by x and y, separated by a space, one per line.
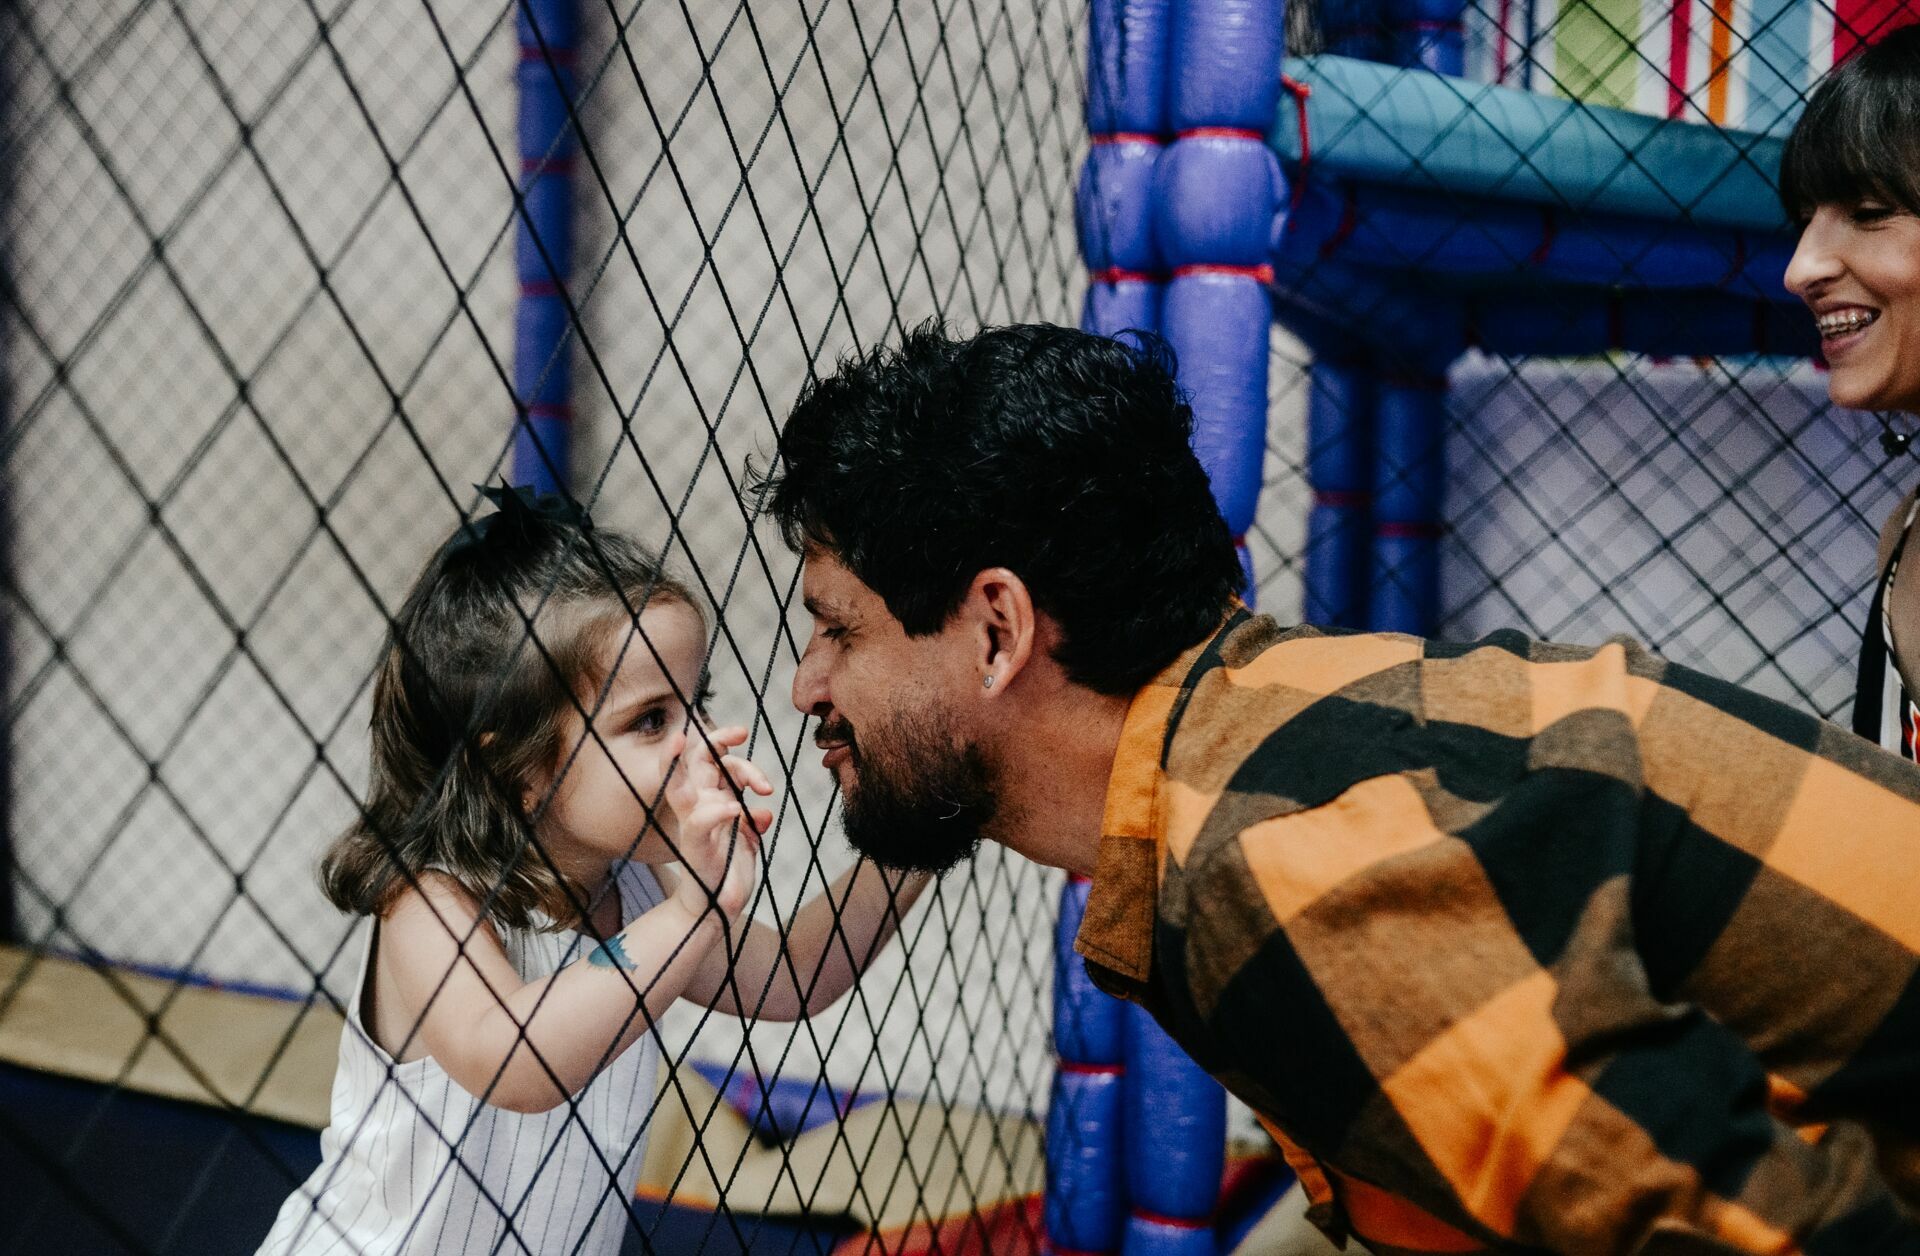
pixel 499 637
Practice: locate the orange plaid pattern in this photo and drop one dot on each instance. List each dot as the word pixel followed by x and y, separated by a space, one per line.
pixel 1528 947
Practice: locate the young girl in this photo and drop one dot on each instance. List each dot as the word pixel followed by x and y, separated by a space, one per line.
pixel 540 755
pixel 1850 176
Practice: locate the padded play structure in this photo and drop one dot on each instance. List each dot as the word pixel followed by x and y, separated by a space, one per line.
pixel 1526 180
pixel 1414 181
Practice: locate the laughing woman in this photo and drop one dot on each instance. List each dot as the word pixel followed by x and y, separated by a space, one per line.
pixel 1850 177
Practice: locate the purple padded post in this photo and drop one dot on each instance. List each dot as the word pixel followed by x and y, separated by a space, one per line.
pixel 1217 191
pixel 1410 416
pixel 1218 322
pixel 1340 473
pixel 1086 1200
pixel 543 246
pixel 1085 1209
pixel 1226 64
pixel 1113 206
pixel 1427 34
pixel 1176 1144
pixel 1127 67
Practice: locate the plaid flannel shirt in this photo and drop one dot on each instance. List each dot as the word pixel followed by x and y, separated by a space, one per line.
pixel 1520 946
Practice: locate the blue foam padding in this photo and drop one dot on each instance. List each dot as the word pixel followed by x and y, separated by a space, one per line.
pixel 1354 28
pixel 542 355
pixel 1128 305
pixel 1176 1125
pixel 1218 325
pixel 546 232
pixel 1409 434
pixel 1087 1022
pixel 1113 207
pixel 1339 427
pixel 1408 127
pixel 543 244
pixel 558 23
pixel 1150 1237
pixel 1086 1199
pixel 1127 66
pixel 1340 470
pixel 1409 478
pixel 1427 34
pixel 1226 63
pixel 1403 328
pixel 1378 226
pixel 1661 323
pixel 1215 199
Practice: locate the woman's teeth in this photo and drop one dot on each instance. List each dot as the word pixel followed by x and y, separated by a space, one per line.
pixel 1843 322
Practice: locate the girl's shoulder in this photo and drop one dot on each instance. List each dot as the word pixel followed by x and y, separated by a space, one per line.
pixel 439 906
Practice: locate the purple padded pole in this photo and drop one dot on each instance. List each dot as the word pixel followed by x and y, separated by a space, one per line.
pixel 1410 415
pixel 1389 228
pixel 1176 1145
pixel 1340 473
pixel 1086 1200
pixel 1355 28
pixel 1217 191
pixel 1085 1208
pixel 1427 34
pixel 1663 324
pixel 543 245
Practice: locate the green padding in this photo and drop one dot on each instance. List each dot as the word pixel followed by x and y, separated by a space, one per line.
pixel 1418 129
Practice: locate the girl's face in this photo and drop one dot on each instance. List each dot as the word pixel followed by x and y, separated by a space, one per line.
pixel 1858 270
pixel 611 772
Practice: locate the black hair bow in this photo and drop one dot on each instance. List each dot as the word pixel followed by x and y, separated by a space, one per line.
pixel 521 516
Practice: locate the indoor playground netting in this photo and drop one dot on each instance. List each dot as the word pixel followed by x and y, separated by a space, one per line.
pixel 1479 306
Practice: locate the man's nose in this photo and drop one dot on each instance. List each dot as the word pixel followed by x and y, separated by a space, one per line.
pixel 809 684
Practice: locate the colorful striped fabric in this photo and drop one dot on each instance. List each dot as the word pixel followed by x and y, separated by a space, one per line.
pixel 1744 64
pixel 1527 946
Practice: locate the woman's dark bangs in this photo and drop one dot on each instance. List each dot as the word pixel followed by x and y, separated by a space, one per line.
pixel 1859 139
pixel 1824 162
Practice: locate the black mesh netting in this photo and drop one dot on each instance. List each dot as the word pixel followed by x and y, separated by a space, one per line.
pixel 259 333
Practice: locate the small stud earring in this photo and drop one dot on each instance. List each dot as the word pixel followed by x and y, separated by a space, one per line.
pixel 986 682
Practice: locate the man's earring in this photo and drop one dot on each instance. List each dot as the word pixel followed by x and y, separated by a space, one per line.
pixel 986 682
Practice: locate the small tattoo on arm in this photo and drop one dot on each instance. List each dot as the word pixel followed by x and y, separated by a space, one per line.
pixel 611 954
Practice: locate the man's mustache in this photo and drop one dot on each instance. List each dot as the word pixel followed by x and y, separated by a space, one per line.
pixel 833 733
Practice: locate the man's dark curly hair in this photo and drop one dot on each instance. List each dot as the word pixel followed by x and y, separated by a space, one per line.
pixel 1063 456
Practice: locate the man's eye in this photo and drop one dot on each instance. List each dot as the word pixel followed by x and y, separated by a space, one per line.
pixel 835 633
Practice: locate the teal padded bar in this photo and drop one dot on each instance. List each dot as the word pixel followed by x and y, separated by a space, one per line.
pixel 1422 130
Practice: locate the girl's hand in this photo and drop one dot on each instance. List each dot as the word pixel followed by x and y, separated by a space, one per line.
pixel 703 792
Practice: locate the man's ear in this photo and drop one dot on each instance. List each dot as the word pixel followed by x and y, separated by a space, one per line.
pixel 1003 626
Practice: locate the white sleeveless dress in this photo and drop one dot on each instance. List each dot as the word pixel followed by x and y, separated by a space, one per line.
pixel 412 1164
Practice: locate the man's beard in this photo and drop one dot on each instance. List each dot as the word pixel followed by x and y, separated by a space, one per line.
pixel 918 802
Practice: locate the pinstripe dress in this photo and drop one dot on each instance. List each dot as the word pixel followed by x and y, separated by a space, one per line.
pixel 413 1164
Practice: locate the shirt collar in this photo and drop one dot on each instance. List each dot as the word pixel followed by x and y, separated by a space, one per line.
pixel 1117 930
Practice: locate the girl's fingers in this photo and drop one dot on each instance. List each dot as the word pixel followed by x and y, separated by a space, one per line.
pixel 712 813
pixel 762 818
pixel 746 774
pixel 715 740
